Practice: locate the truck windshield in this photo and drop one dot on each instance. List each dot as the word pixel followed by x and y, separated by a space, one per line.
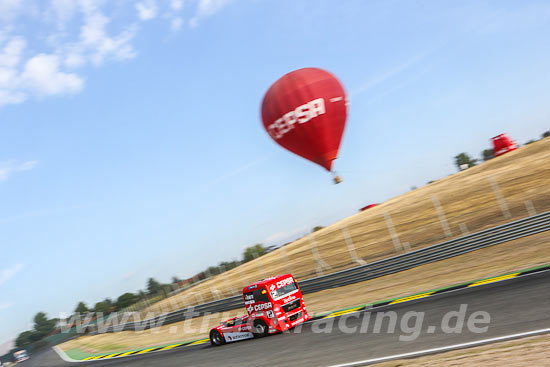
pixel 281 292
pixel 258 295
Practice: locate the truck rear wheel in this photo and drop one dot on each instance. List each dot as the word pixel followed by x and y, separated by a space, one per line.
pixel 216 338
pixel 260 329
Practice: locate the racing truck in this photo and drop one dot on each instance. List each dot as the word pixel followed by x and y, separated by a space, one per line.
pixel 274 305
pixel 20 356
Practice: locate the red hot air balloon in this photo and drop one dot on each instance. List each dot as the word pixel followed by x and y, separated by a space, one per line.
pixel 305 112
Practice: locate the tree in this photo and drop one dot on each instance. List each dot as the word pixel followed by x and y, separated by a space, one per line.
pixel 42 325
pixel 463 161
pixel 211 271
pixel 317 228
pixel 81 308
pixel 175 280
pixel 24 339
pixel 546 134
pixel 530 142
pixel 228 265
pixel 125 300
pixel 253 252
pixel 153 287
pixel 488 154
pixel 104 306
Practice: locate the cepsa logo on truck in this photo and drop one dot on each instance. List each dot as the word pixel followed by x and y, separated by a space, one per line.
pixel 274 304
pixel 283 283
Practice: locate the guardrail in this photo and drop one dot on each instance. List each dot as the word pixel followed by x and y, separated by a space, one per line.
pixel 455 247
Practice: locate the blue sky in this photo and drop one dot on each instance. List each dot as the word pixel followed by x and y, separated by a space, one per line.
pixel 131 144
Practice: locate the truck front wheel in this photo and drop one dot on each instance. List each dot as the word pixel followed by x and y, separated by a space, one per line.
pixel 216 338
pixel 260 329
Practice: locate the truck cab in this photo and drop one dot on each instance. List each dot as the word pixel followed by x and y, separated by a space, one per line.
pixel 274 304
pixel 20 356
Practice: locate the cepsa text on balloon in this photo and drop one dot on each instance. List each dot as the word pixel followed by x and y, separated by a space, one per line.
pixel 300 115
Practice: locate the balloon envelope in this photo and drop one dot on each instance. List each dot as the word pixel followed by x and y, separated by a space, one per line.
pixel 305 112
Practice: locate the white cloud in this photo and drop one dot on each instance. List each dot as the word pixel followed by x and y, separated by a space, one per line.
pixel 89 6
pixel 93 30
pixel 10 97
pixel 176 24
pixel 11 54
pixel 64 10
pixel 74 59
pixel 8 168
pixel 42 75
pixel 9 9
pixel 4 306
pixel 94 37
pixel 209 7
pixel 27 166
pixel 4 174
pixel 206 8
pixel 147 9
pixel 8 273
pixel 64 36
pixel 10 57
pixel 176 5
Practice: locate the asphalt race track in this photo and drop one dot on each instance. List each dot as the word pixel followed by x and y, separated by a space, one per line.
pixel 515 306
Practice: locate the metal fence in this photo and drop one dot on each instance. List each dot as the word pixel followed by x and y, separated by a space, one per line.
pixel 458 246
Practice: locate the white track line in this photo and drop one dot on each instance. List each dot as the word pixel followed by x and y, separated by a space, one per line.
pixel 66 358
pixel 63 355
pixel 442 349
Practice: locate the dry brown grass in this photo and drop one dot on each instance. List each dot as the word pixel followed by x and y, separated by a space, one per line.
pixel 532 351
pixel 508 257
pixel 467 198
pixel 495 260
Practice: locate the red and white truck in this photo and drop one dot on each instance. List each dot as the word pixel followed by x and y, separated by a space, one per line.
pixel 274 304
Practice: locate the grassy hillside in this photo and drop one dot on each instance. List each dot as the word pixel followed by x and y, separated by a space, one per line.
pixel 492 261
pixel 467 198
